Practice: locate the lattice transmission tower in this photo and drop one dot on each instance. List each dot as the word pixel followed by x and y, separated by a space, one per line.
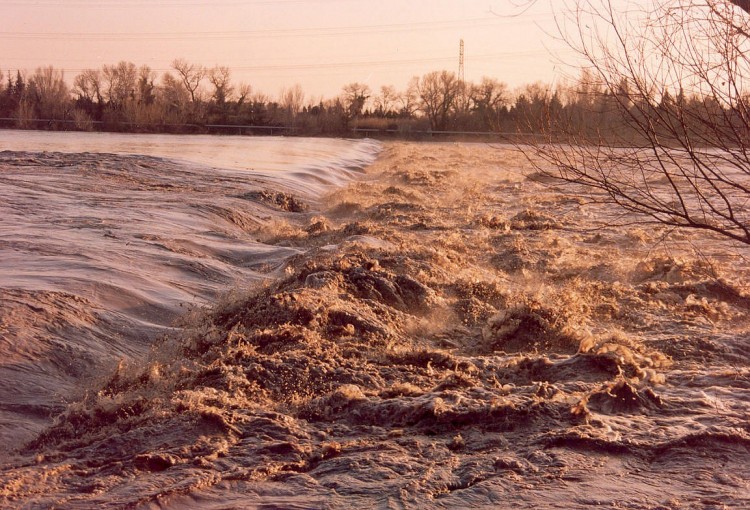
pixel 461 62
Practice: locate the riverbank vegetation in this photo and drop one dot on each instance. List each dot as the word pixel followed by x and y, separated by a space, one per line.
pixel 190 98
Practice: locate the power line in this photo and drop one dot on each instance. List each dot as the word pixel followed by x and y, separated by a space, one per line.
pixel 266 33
pixel 510 55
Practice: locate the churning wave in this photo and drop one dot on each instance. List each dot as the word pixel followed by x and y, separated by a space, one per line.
pixel 442 334
pixel 100 252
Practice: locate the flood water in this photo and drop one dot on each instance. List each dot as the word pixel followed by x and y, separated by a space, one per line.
pixel 441 329
pixel 105 239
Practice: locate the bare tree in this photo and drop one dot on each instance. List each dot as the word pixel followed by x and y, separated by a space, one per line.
pixel 191 76
pixel 142 107
pixel 49 92
pixel 489 98
pixel 355 98
pixel 119 83
pixel 438 91
pixel 536 107
pixel 174 97
pixel 88 86
pixel 409 99
pixel 386 100
pixel 675 76
pixel 291 101
pixel 220 78
pixel 243 92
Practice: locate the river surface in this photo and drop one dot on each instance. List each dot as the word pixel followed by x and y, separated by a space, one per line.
pixel 106 238
pixel 441 329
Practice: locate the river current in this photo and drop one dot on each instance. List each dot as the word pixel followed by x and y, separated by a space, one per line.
pixel 105 239
pixel 437 327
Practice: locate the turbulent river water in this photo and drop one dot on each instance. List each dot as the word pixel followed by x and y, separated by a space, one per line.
pixel 443 329
pixel 105 239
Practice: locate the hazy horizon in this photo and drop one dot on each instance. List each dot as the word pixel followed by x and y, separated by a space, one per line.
pixel 320 44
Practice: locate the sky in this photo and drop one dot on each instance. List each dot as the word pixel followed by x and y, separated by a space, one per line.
pixel 320 44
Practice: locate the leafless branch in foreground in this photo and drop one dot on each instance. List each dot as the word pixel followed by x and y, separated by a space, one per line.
pixel 674 80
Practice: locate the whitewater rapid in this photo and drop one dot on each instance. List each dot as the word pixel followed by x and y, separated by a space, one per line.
pixel 106 239
pixel 450 331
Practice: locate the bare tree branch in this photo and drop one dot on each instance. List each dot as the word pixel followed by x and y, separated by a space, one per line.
pixel 679 158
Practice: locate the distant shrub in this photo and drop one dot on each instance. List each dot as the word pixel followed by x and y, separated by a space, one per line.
pixel 82 121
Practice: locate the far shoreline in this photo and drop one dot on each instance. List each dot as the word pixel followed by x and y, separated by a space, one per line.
pixel 410 135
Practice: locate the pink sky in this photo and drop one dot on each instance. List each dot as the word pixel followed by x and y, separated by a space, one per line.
pixel 320 44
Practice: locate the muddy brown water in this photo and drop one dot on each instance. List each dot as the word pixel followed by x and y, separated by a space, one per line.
pixel 442 333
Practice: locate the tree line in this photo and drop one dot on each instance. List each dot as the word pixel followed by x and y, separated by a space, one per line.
pixel 194 98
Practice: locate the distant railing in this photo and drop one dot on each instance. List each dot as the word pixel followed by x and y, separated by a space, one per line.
pixel 249 129
pixel 9 122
